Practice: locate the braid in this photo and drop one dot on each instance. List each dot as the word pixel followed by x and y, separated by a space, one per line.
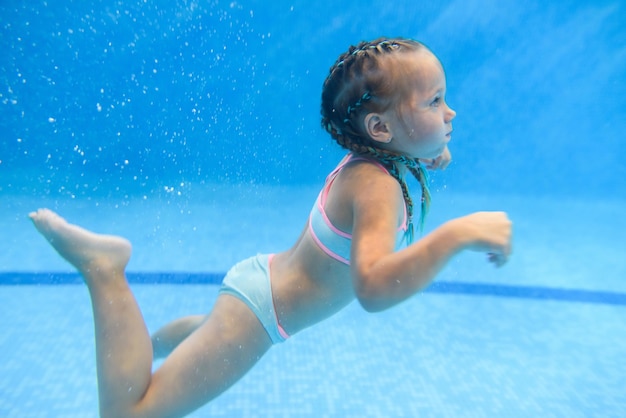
pixel 356 84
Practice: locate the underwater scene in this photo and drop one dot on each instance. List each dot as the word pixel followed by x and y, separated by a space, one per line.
pixel 193 129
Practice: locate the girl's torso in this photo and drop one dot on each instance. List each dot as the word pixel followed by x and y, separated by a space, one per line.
pixel 312 280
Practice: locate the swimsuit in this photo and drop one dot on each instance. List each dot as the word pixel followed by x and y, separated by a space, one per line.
pixel 249 280
pixel 330 239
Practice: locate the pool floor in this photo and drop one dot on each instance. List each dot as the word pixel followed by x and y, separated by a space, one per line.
pixel 438 355
pixel 547 342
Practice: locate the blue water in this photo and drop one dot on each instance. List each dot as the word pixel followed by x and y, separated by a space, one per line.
pixel 192 128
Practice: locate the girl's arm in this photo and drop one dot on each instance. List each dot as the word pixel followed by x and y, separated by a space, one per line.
pixel 383 278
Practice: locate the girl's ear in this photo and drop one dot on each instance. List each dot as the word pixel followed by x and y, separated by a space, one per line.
pixel 377 128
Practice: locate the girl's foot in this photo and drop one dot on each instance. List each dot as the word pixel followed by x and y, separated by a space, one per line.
pixel 85 250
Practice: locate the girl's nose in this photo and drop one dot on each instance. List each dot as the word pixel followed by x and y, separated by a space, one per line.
pixel 450 115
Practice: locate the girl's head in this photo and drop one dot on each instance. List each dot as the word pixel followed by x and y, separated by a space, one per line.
pixel 385 98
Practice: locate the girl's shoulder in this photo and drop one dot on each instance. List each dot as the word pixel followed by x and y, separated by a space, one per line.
pixel 364 190
pixel 365 175
pixel 365 183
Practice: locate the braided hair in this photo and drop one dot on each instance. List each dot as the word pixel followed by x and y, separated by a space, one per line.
pixel 357 84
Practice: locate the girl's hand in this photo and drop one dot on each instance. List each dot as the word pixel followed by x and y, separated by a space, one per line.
pixel 441 162
pixel 489 232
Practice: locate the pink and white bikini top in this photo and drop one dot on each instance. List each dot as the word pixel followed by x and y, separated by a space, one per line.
pixel 330 239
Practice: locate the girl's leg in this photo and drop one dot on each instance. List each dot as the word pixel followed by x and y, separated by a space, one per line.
pixel 207 362
pixel 222 349
pixel 171 334
pixel 123 347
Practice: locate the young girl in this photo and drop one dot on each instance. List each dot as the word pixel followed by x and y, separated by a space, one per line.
pixel 384 101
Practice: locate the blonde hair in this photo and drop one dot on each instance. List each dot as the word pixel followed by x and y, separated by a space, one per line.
pixel 359 83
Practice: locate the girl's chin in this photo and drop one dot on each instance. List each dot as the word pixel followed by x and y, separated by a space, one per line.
pixel 432 155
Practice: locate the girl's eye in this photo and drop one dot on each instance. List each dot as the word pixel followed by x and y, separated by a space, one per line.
pixel 436 102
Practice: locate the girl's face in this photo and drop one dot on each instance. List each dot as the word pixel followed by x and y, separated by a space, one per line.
pixel 421 125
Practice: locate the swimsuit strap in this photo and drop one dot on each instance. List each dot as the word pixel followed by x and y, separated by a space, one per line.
pixel 333 174
pixel 331 178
